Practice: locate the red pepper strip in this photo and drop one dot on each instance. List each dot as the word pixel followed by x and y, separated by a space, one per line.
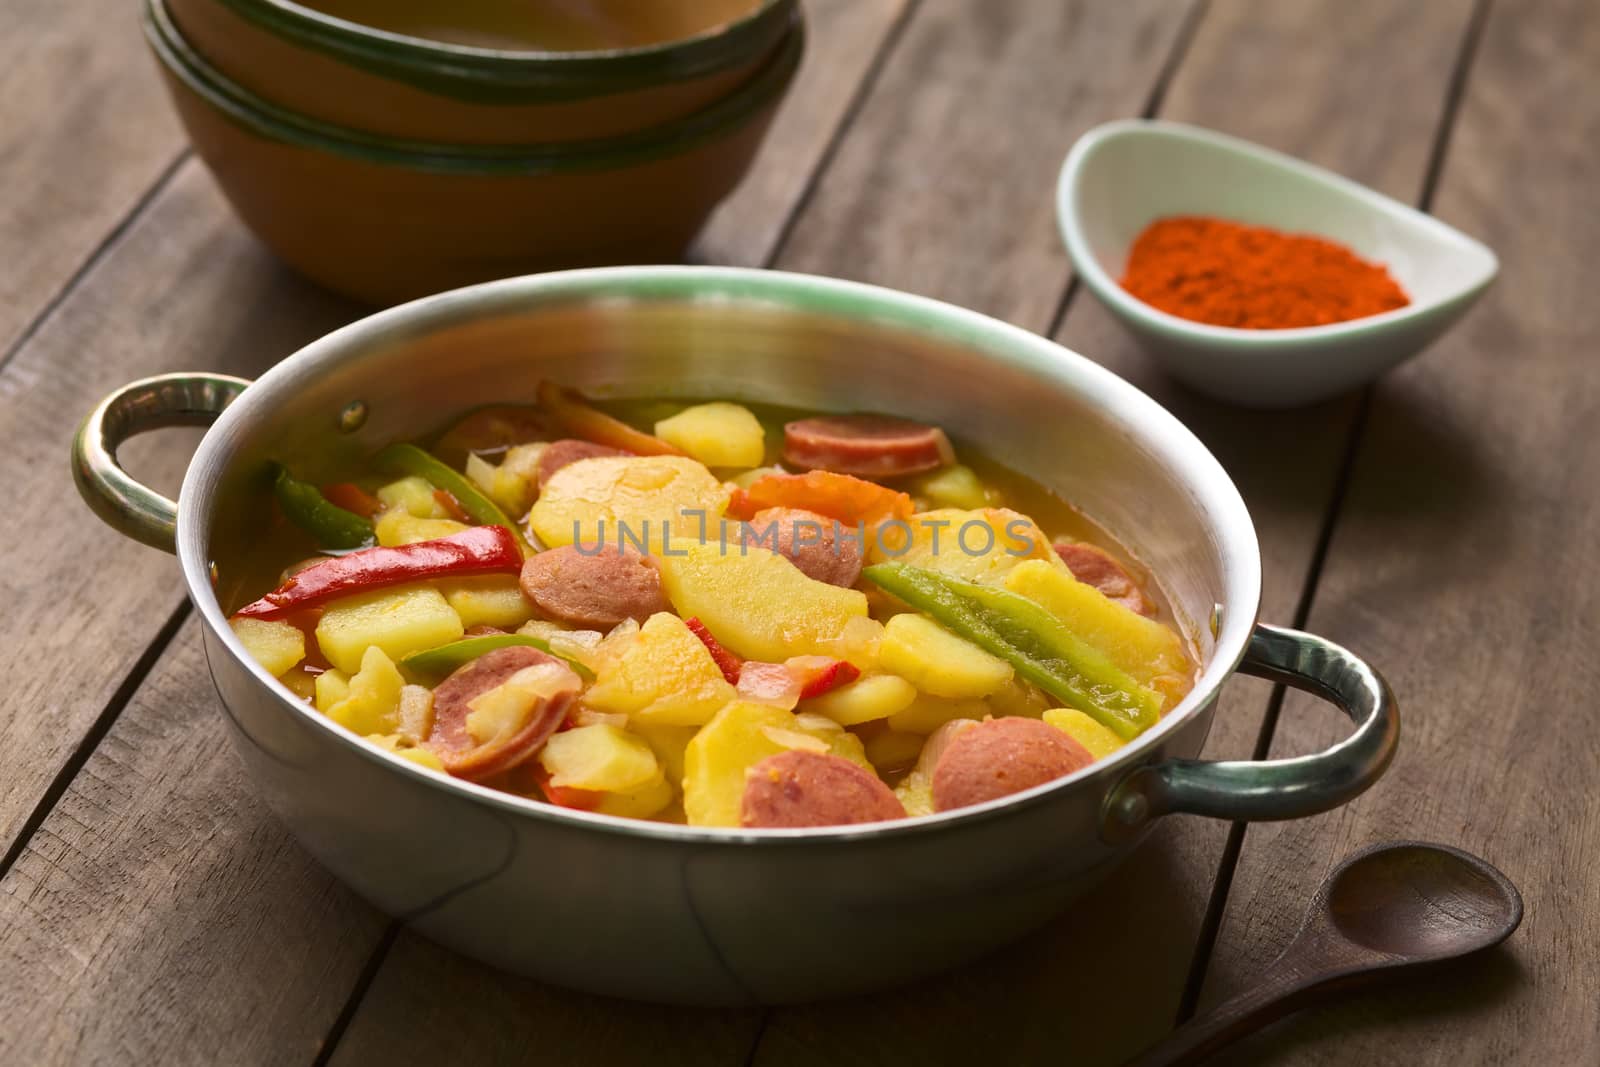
pixel 578 419
pixel 819 674
pixel 564 796
pixel 726 661
pixel 452 507
pixel 353 498
pixel 480 550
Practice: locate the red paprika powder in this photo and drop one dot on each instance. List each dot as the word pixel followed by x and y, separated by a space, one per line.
pixel 1252 277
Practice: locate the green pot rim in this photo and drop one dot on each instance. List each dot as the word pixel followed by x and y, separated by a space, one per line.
pixel 274 122
pixel 504 76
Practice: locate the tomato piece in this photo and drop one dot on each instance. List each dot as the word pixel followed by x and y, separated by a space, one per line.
pixel 821 674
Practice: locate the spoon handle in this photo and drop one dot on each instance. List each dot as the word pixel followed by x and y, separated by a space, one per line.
pixel 1281 990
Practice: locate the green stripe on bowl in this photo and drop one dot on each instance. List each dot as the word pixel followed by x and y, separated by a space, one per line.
pixel 499 76
pixel 269 120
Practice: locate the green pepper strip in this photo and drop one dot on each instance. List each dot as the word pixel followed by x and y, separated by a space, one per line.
pixel 1032 640
pixel 409 459
pixel 329 525
pixel 435 663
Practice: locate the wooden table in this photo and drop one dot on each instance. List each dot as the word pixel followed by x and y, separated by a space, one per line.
pixel 1443 522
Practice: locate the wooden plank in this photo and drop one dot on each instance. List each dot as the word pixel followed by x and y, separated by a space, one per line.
pixel 183 288
pixel 1463 563
pixel 945 185
pixel 429 1005
pixel 84 131
pixel 844 40
pixel 1043 998
pixel 161 915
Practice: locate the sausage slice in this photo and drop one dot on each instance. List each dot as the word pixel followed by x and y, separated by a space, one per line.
pixel 867 446
pixel 596 587
pixel 800 788
pixel 822 548
pixel 998 757
pixel 558 454
pixel 1094 566
pixel 462 755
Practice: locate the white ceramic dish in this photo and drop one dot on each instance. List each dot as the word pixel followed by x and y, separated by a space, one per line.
pixel 1123 175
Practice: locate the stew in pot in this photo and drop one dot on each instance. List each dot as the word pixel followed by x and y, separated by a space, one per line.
pixel 711 613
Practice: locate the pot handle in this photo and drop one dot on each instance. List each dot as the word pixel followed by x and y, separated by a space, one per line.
pixel 123 503
pixel 1274 789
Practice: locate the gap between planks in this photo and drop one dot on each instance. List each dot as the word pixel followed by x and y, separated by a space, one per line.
pixel 112 235
pixel 95 734
pixel 1152 107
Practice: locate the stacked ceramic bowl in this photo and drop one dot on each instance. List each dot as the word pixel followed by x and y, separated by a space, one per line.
pixel 392 148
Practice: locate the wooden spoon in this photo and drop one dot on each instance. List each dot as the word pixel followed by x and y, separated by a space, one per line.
pixel 1386 909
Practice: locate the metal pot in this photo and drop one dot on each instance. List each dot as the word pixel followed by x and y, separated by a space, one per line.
pixel 717 916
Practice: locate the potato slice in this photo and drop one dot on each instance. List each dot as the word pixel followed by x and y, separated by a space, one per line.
pixel 415 714
pixel 600 758
pixel 915 793
pixel 413 495
pixel 938 662
pixel 718 434
pixel 980 545
pixel 1143 648
pixel 954 486
pixel 397 526
pixel 403 747
pixel 1099 740
pixel 671 745
pixel 512 483
pixel 892 751
pixel 641 802
pixel 276 645
pixel 373 704
pixel 664 676
pixel 927 713
pixel 488 600
pixel 330 687
pixel 639 501
pixel 756 602
pixel 876 696
pixel 400 620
